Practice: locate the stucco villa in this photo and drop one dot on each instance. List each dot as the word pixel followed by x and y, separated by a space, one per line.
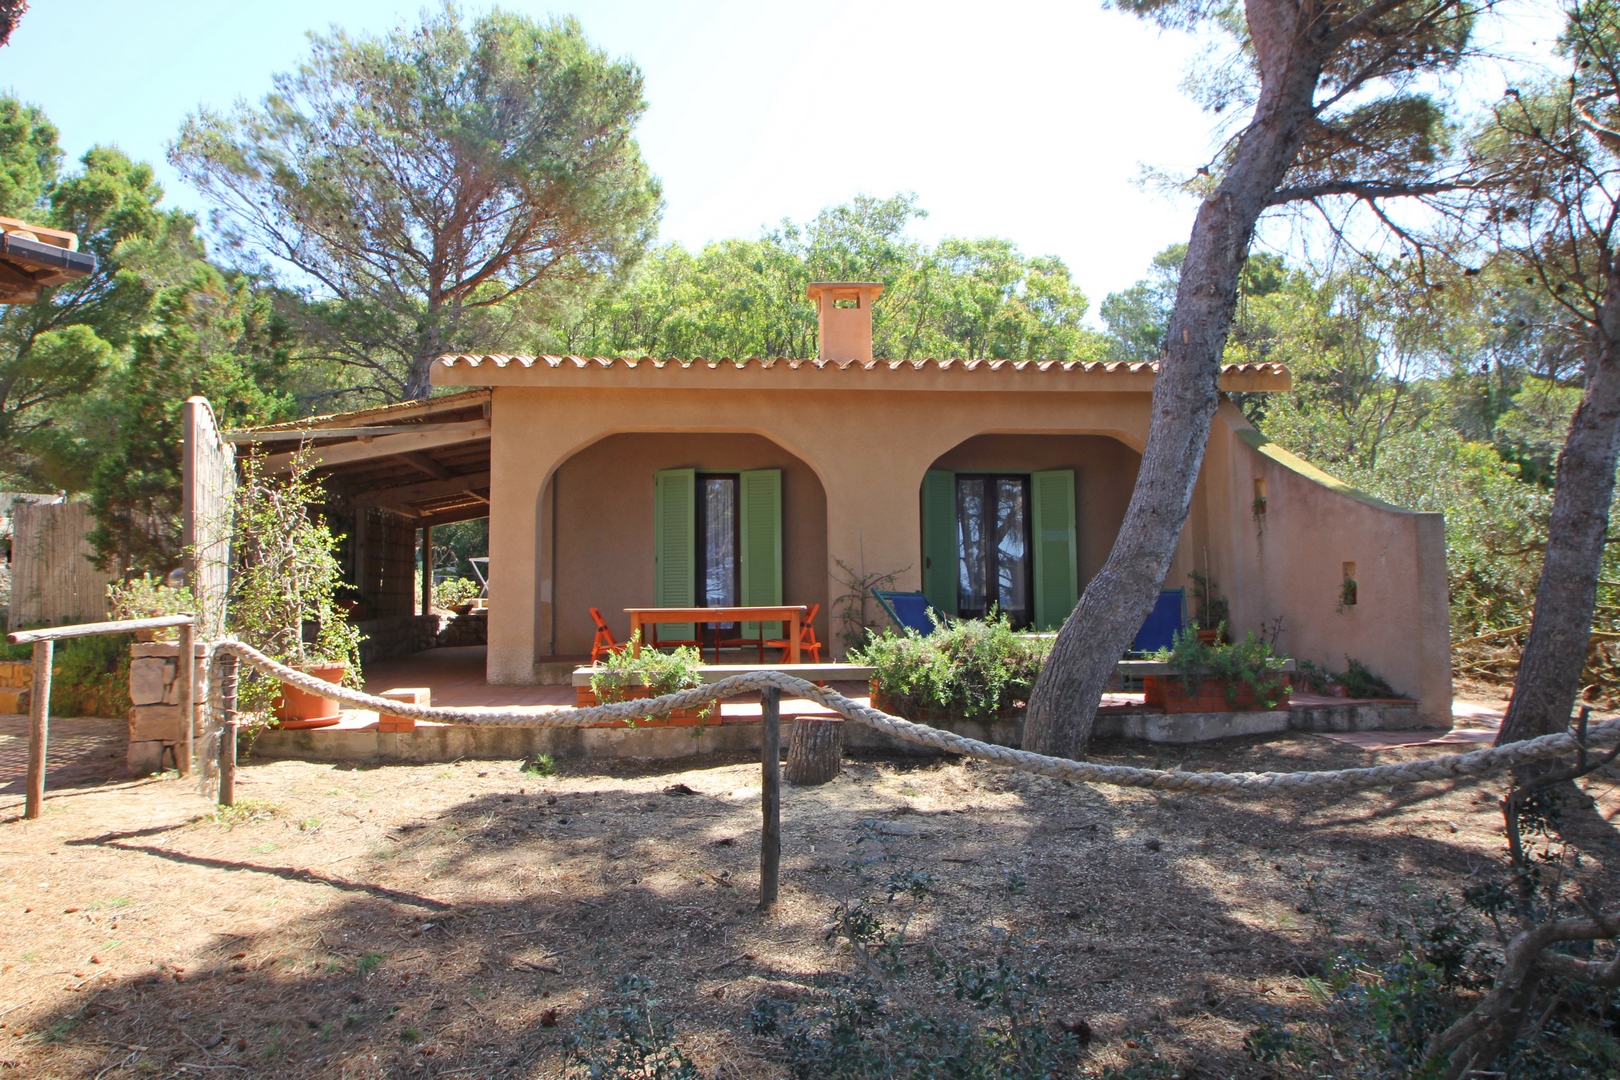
pixel 615 483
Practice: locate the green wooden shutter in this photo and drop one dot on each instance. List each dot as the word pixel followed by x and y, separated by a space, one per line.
pixel 939 540
pixel 759 509
pixel 674 547
pixel 1057 575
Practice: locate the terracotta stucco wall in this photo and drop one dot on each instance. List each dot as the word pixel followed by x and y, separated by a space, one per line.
pixel 1289 564
pixel 1104 474
pixel 604 556
pixel 869 448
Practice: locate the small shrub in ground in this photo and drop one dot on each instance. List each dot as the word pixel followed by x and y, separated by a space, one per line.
pixel 244 812
pixel 453 592
pixel 954 1017
pixel 539 765
pixel 968 669
pixel 1383 1012
pixel 626 1036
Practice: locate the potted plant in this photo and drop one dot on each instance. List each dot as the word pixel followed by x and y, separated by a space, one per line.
pixel 1217 677
pixel 144 598
pixel 1210 609
pixel 284 594
pixel 968 669
pixel 635 672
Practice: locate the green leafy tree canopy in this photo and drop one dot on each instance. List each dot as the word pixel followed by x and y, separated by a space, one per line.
pixel 409 183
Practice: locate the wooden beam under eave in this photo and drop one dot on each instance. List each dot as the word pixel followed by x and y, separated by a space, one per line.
pixel 450 517
pixel 431 489
pixel 381 447
pixel 427 465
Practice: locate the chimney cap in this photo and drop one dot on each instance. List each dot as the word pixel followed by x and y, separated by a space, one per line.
pixel 816 288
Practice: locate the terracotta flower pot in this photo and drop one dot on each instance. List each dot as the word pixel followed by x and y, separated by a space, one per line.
pixel 297 708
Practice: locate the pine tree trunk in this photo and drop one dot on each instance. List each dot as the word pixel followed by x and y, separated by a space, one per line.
pixel 1549 674
pixel 815 750
pixel 1186 393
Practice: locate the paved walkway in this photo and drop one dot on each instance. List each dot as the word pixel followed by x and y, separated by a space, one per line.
pixel 79 752
pixel 1473 724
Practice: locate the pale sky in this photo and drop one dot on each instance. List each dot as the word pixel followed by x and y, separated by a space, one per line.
pixel 1028 119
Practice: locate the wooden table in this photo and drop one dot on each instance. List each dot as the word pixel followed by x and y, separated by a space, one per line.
pixel 711 616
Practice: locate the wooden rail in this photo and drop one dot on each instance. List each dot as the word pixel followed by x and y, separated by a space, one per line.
pixel 44 641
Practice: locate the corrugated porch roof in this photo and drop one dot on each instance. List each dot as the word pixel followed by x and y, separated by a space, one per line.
pixel 427 461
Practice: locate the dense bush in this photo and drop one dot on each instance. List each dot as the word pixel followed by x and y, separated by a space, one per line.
pixel 89 675
pixel 660 672
pixel 968 669
pixel 1250 662
pixel 453 592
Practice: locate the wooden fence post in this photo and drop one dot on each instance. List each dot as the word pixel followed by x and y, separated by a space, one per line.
pixel 186 682
pixel 770 788
pixel 39 712
pixel 227 731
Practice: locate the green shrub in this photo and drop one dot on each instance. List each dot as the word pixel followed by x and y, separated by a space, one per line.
pixel 1360 682
pixel 1251 662
pixel 90 676
pixel 968 669
pixel 287 577
pixel 626 1036
pixel 144 598
pixel 660 672
pixel 904 1016
pixel 453 592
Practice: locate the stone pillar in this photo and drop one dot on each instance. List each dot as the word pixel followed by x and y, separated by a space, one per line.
pixel 156 726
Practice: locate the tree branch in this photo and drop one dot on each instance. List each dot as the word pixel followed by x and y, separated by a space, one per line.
pixel 1368 189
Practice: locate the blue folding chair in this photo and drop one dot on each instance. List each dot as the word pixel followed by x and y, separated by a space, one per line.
pixel 1163 623
pixel 907 609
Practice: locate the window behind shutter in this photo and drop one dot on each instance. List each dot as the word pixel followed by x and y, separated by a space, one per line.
pixel 1057 575
pixel 760 520
pixel 674 542
pixel 939 540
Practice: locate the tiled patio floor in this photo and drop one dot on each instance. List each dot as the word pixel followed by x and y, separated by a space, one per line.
pixel 456 677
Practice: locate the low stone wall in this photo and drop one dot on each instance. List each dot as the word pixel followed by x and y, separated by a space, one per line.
pixel 450 742
pixel 16 685
pixel 386 639
pixel 426 743
pixel 156 727
pixel 470 628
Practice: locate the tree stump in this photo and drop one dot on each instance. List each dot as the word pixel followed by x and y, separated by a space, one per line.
pixel 815 750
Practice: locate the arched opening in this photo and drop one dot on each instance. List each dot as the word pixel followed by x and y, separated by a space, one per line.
pixel 1020 523
pixel 604 513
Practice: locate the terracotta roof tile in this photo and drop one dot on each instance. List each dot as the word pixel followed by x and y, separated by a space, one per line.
pixel 501 360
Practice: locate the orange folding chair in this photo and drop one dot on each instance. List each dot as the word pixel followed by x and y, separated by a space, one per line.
pixel 604 642
pixel 808 645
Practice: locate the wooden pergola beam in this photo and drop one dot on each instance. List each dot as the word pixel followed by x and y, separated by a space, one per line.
pixel 430 489
pixel 382 446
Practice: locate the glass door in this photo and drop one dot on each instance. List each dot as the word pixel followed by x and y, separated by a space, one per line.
pixel 717 546
pixel 994 569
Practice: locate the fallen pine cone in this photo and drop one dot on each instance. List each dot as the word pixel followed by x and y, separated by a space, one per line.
pixel 548 1018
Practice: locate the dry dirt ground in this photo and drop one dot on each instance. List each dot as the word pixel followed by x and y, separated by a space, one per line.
pixel 453 920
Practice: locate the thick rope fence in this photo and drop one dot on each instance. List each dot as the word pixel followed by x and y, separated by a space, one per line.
pixel 1472 765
